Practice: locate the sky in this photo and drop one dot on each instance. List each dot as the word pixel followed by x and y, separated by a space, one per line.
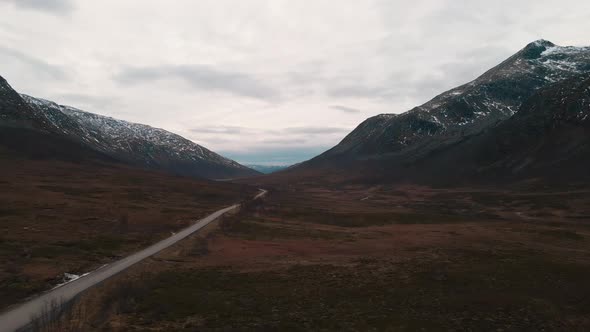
pixel 266 82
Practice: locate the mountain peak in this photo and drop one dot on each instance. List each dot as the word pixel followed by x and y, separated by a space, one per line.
pixel 465 110
pixel 542 43
pixel 535 49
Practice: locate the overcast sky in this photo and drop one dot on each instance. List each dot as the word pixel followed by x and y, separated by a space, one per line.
pixel 274 81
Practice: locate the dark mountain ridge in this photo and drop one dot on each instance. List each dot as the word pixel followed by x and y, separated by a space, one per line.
pixel 441 141
pixel 29 125
pixel 548 138
pixel 494 96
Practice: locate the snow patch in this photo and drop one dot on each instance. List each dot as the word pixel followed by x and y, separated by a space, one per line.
pixel 69 277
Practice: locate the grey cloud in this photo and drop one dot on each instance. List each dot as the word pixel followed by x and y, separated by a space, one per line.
pixel 308 73
pixel 281 146
pixel 215 140
pixel 93 102
pixel 414 83
pixel 201 77
pixel 316 130
pixel 285 141
pixel 218 130
pixel 345 109
pixel 59 7
pixel 400 83
pixel 235 130
pixel 40 67
pixel 356 90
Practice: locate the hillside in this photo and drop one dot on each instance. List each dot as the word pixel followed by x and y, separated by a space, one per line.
pixel 437 142
pixel 78 135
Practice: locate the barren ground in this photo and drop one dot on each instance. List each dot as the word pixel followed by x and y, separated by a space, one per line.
pixel 58 218
pixel 403 259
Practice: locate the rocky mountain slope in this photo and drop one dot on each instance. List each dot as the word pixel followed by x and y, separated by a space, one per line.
pixel 494 96
pixel 123 141
pixel 444 137
pixel 549 137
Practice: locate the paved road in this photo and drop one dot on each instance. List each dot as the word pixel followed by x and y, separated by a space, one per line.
pixel 20 316
pixel 260 194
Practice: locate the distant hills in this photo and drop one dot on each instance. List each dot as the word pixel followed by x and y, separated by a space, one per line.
pixel 43 129
pixel 525 118
pixel 267 169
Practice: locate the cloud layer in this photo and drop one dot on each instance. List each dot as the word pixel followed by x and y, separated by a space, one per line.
pixel 248 77
pixel 200 77
pixel 60 7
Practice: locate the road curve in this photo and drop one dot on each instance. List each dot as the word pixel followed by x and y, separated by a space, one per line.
pixel 20 316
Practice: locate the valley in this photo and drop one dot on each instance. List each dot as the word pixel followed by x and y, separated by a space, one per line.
pixel 467 213
pixel 325 259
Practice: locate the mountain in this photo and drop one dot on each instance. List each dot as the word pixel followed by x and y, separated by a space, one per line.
pixel 548 138
pixel 106 138
pixel 26 133
pixel 392 145
pixel 267 169
pixel 494 96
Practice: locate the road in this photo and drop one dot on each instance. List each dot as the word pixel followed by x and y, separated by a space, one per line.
pixel 20 316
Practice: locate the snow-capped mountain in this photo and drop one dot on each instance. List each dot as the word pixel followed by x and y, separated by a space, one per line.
pixel 131 143
pixel 494 96
pixel 495 127
pixel 548 139
pixel 550 133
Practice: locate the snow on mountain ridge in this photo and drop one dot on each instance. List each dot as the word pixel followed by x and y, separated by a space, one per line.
pixel 494 96
pixel 108 134
pixel 555 60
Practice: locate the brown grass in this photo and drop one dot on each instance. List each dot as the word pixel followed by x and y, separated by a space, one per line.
pixel 276 266
pixel 58 217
